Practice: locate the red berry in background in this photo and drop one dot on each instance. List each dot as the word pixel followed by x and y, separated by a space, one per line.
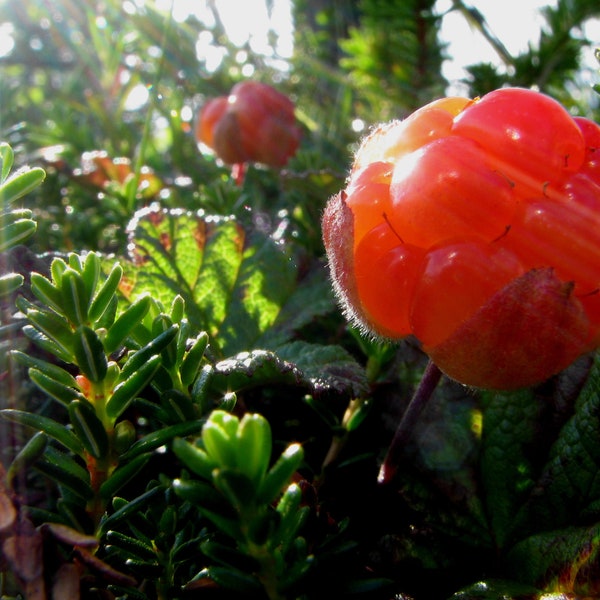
pixel 255 123
pixel 474 225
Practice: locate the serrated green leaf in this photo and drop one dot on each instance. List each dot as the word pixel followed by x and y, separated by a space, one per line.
pixel 250 369
pixel 234 284
pixel 510 422
pixel 327 368
pixel 89 428
pixel 265 280
pixel 21 183
pixel 568 482
pixel 89 354
pixel 52 428
pixel 493 589
pixel 567 558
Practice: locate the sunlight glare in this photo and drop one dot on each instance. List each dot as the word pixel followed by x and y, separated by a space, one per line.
pixel 7 42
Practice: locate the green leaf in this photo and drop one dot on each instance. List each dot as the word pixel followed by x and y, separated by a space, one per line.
pixel 64 470
pixel 160 437
pixel 55 388
pixel 89 428
pixel 45 291
pixel 236 487
pixel 563 559
pixel 90 274
pixel 253 447
pixel 127 390
pixel 51 428
pixel 7 157
pixel 234 284
pixel 10 283
pixel 492 589
pixel 122 475
pixel 140 357
pixel 31 452
pixel 160 325
pixel 233 579
pixel 75 297
pixel 192 361
pixel 509 425
pixel 47 344
pixel 194 458
pixel 211 504
pixel 327 368
pixel 280 474
pixel 130 508
pixel 568 482
pixel 21 183
pixel 125 323
pixel 16 233
pixel 53 326
pixel 89 354
pixel 132 546
pixel 105 294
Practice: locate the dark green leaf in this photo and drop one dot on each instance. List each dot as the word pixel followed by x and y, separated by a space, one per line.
pixel 280 474
pixel 65 394
pixel 122 475
pixel 50 427
pixel 89 428
pixel 127 390
pixel 45 291
pixel 105 294
pixel 125 323
pixel 140 357
pixel 160 437
pixel 75 297
pixel 89 354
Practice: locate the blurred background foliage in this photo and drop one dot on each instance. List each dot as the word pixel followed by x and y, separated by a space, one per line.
pixel 126 79
pixel 104 96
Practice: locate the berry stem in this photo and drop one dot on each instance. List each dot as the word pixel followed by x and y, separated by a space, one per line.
pixel 427 385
